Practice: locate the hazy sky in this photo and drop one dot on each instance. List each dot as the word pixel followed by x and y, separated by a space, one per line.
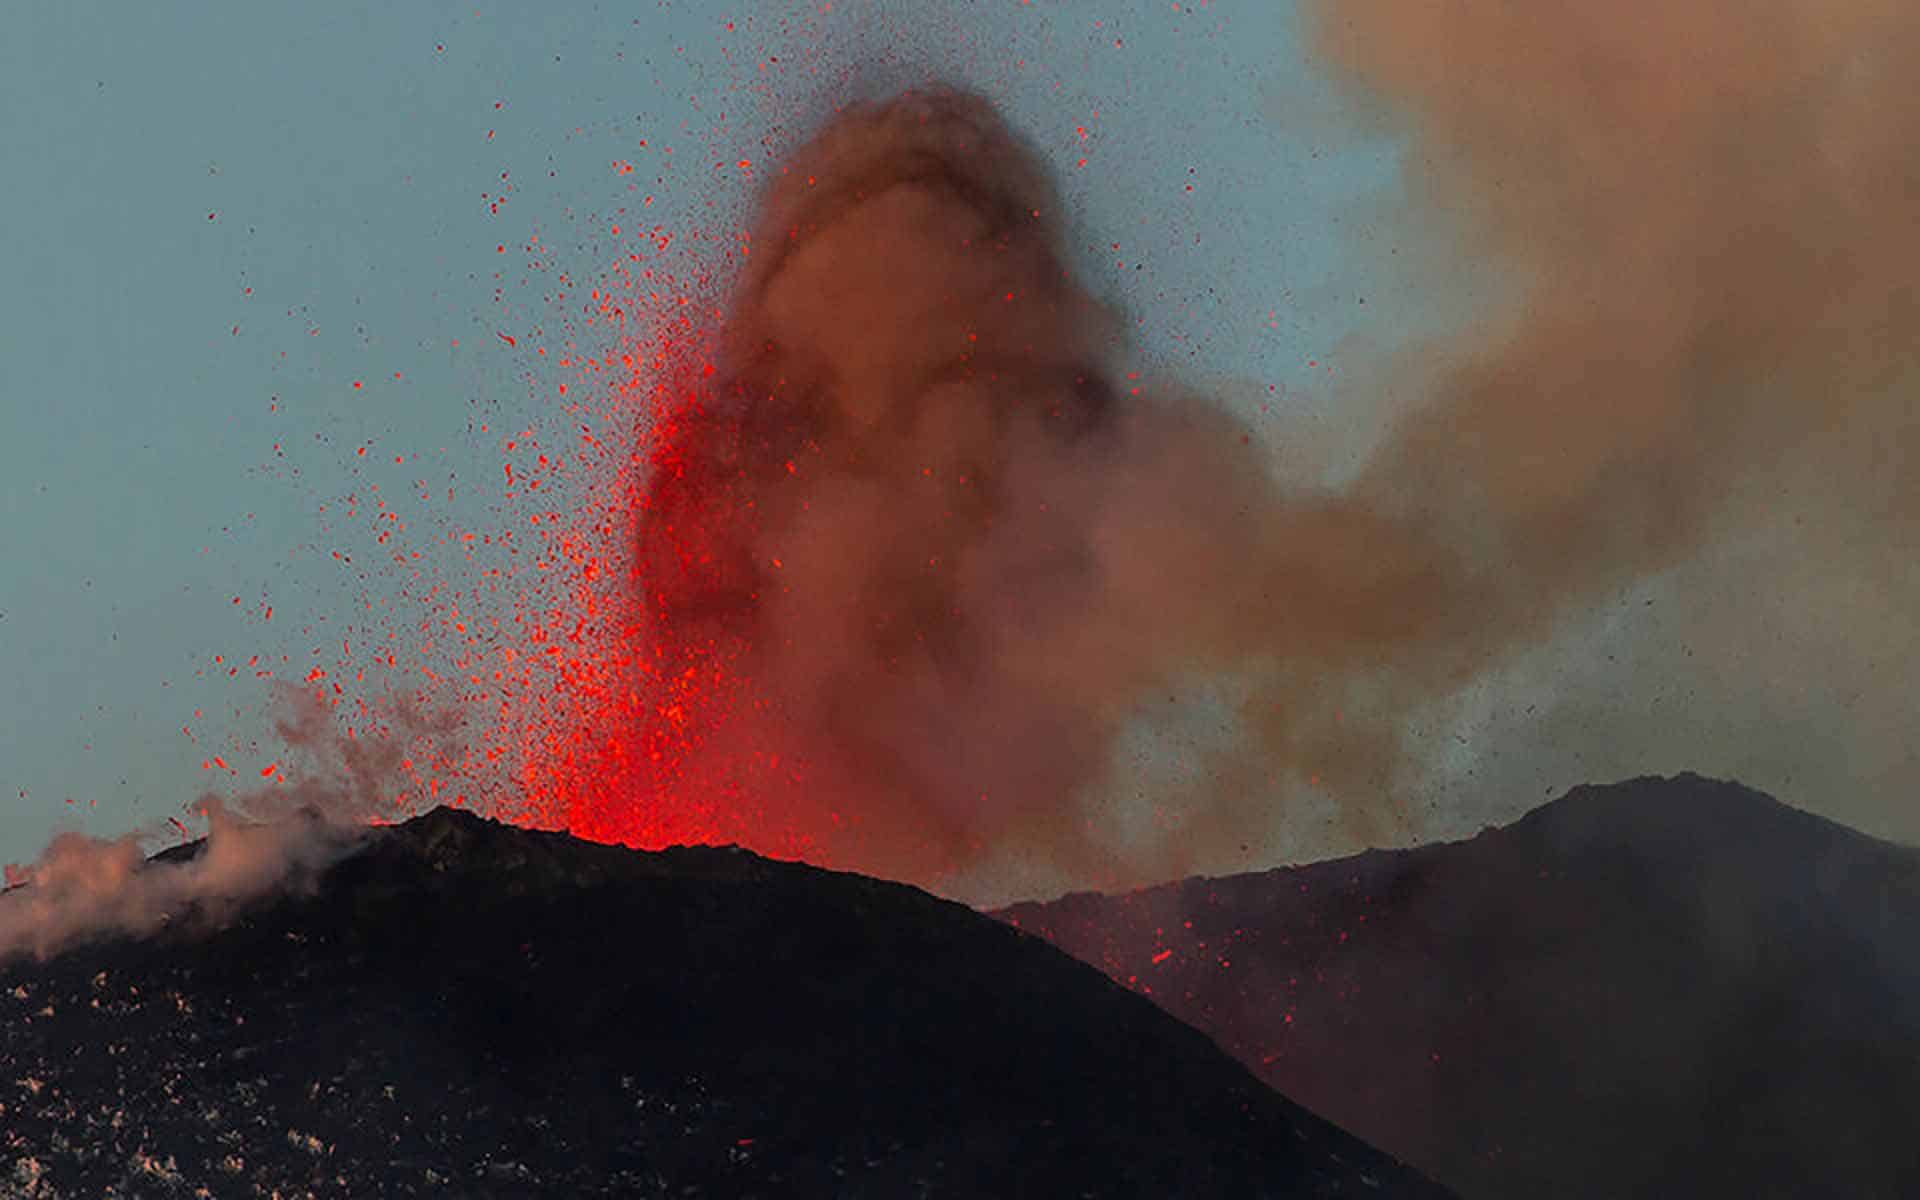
pixel 246 238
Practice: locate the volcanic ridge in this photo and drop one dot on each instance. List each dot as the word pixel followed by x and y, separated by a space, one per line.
pixel 465 1008
pixel 1663 987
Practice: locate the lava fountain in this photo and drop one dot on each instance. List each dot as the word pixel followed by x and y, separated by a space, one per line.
pixel 907 557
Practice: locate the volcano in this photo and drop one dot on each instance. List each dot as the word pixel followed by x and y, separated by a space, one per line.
pixel 1665 987
pixel 464 1008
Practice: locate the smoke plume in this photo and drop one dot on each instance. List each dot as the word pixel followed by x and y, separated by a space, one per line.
pixel 957 546
pixel 265 841
pixel 84 887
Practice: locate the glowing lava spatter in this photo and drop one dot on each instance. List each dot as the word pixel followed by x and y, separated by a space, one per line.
pixel 603 698
pixel 612 706
pixel 873 565
pixel 516 668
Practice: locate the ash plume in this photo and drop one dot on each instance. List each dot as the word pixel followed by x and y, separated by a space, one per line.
pixel 956 549
pixel 1707 218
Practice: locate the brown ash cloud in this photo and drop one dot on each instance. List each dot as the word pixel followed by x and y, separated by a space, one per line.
pixel 959 542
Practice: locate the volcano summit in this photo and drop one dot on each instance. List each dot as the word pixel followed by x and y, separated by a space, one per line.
pixel 464 1008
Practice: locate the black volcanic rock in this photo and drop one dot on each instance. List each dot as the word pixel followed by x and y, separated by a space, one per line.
pixel 465 1009
pixel 1667 987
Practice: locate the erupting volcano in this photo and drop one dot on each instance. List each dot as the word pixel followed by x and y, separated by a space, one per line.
pixel 918 539
pixel 916 545
pixel 903 551
pixel 859 520
pixel 858 558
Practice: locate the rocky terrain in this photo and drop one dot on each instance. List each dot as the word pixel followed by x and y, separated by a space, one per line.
pixel 465 1009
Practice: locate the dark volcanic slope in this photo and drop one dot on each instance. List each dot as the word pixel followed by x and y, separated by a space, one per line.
pixel 465 1009
pixel 1660 988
